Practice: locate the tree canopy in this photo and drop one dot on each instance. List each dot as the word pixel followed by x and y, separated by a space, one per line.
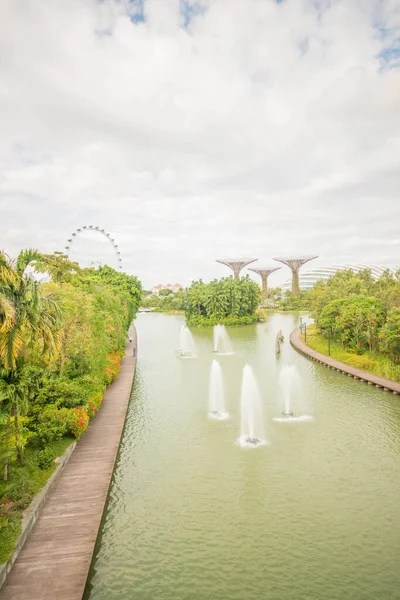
pixel 359 311
pixel 227 300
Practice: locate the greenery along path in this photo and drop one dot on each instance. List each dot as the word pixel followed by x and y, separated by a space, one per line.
pixel 298 344
pixel 55 561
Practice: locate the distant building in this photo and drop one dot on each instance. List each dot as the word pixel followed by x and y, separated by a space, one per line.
pixel 308 279
pixel 174 287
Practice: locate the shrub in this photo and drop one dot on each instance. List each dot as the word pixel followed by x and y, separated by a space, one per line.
pixel 94 402
pixel 63 392
pixel 78 364
pixel 45 458
pixel 360 362
pixel 52 425
pixel 3 522
pixel 77 421
pixel 22 494
pixel 112 368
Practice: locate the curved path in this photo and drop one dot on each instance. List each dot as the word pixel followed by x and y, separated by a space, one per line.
pixel 331 363
pixel 54 563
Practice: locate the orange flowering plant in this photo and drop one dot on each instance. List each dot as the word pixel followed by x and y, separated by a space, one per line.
pixel 112 368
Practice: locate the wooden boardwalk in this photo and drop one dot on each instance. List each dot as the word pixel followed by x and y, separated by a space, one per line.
pixel 331 363
pixel 54 563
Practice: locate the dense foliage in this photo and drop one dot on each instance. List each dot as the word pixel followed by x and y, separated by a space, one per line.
pixel 228 301
pixel 276 299
pixel 166 301
pixel 61 345
pixel 359 312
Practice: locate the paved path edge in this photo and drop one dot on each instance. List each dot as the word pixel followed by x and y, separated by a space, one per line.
pixel 335 365
pixel 32 512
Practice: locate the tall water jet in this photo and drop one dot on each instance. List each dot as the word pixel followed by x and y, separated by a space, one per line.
pixel 222 343
pixel 287 378
pixel 289 383
pixel 188 348
pixel 252 434
pixel 216 403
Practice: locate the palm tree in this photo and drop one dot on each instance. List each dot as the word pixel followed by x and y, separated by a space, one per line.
pixel 8 277
pixel 216 303
pixel 17 388
pixel 195 297
pixel 27 318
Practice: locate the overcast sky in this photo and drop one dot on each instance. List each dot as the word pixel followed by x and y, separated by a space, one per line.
pixel 197 130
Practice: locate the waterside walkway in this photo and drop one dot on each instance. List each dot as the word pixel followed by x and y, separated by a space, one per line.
pixel 331 363
pixel 54 563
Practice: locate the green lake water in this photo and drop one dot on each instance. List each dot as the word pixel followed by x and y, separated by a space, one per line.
pixel 313 515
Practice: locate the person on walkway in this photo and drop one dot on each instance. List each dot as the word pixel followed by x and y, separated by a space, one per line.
pixel 130 339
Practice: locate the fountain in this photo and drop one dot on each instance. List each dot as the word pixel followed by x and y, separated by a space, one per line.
pixel 187 343
pixel 289 383
pixel 252 422
pixel 222 343
pixel 287 379
pixel 216 405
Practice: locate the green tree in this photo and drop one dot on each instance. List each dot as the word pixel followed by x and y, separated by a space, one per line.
pixel 355 321
pixel 30 323
pixel 195 297
pixel 216 301
pixel 330 314
pixel 343 284
pixel 387 290
pixel 106 276
pixel 389 336
pixel 272 297
pixel 165 292
pixel 17 388
pixel 58 266
pixel 290 302
pixel 225 300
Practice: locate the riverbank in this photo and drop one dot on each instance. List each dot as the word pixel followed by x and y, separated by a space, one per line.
pixel 377 364
pixel 62 541
pixel 331 363
pixel 28 481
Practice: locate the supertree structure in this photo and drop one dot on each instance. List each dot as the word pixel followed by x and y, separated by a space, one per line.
pixel 265 272
pixel 294 263
pixel 236 264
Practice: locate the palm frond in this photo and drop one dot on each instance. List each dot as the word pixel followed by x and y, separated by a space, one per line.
pixel 8 274
pixel 25 257
pixel 7 313
pixel 11 346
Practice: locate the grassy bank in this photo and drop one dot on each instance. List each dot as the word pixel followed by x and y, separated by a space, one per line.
pixel 373 363
pixel 28 479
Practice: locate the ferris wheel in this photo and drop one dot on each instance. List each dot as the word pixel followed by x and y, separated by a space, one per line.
pixel 103 232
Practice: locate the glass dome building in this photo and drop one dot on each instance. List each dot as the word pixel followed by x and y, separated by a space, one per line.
pixel 309 278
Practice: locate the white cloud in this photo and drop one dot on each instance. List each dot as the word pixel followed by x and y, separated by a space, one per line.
pixel 259 128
